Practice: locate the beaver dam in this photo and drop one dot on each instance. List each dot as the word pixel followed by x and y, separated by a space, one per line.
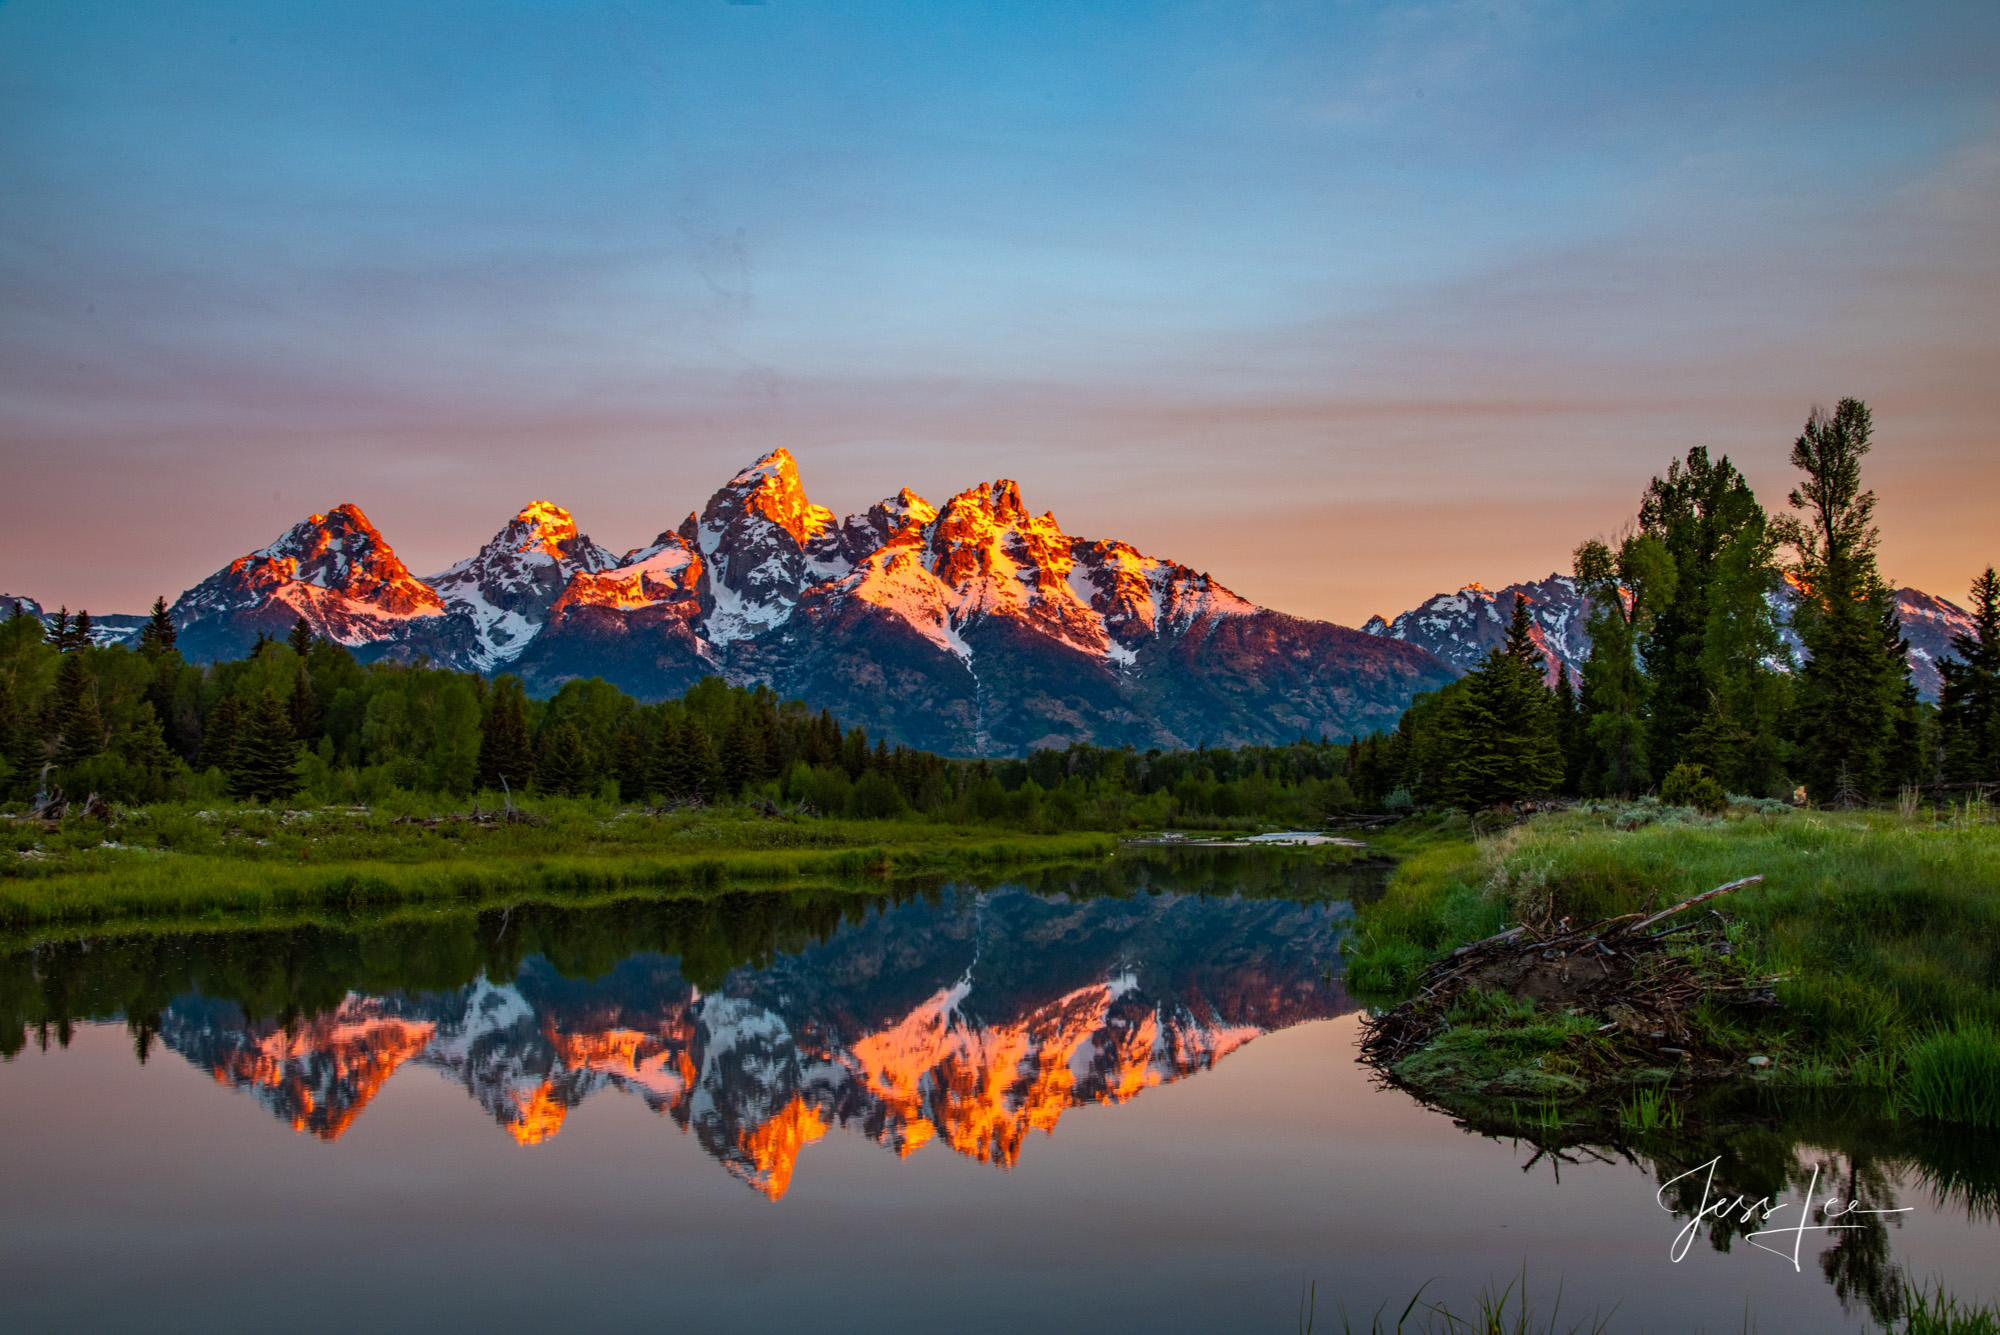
pixel 1546 1012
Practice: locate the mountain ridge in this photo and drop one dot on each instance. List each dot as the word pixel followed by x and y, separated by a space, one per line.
pixel 971 627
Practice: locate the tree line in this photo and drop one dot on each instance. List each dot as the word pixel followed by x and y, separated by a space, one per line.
pixel 1690 688
pixel 300 719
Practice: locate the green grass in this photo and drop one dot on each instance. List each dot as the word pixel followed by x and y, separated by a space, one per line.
pixel 182 861
pixel 1649 1109
pixel 1886 926
pixel 1954 1075
pixel 1932 1311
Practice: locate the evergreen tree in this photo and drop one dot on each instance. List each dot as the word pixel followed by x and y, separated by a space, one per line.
pixel 303 706
pixel 264 763
pixel 300 638
pixel 1851 690
pixel 1502 735
pixel 143 745
pixel 702 772
pixel 158 636
pixel 79 730
pixel 504 751
pixel 219 735
pixel 1969 706
pixel 59 636
pixel 743 753
pixel 666 768
pixel 10 730
pixel 1710 647
pixel 79 633
pixel 560 763
pixel 1570 737
pixel 1621 589
pixel 631 750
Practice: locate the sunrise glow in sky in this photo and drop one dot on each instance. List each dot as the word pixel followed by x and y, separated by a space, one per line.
pixel 1345 303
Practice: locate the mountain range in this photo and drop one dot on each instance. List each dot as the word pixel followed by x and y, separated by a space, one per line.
pixel 1462 627
pixel 970 1022
pixel 971 628
pixel 974 628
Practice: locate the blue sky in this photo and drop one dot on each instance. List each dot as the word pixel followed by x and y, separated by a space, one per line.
pixel 1346 303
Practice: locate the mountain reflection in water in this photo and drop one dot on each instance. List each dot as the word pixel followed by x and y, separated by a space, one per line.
pixel 964 1017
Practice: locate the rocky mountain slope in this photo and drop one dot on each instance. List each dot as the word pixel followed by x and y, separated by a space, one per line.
pixel 1462 627
pixel 975 627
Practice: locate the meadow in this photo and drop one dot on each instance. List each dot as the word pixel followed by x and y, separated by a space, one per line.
pixel 1881 927
pixel 185 860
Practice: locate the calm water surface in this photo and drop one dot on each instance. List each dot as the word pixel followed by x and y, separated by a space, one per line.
pixel 1127 1101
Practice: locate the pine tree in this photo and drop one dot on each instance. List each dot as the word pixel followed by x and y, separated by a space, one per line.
pixel 1502 735
pixel 743 756
pixel 1620 590
pixel 1851 690
pixel 79 632
pixel 665 768
pixel 265 760
pixel 10 730
pixel 300 638
pixel 631 749
pixel 701 773
pixel 504 750
pixel 1969 706
pixel 560 763
pixel 303 706
pixel 158 636
pixel 1569 732
pixel 79 728
pixel 1709 649
pixel 59 634
pixel 219 735
pixel 143 745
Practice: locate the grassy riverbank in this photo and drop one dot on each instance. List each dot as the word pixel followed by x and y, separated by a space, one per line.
pixel 182 861
pixel 1886 926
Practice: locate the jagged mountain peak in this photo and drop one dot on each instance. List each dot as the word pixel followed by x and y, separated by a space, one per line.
pixel 769 489
pixel 334 570
pixel 507 589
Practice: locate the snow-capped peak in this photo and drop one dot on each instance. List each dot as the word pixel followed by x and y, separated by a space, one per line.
pixel 508 587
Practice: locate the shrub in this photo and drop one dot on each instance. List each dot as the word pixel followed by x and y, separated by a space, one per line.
pixel 1691 785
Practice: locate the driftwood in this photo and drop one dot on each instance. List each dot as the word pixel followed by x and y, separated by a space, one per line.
pixel 1619 969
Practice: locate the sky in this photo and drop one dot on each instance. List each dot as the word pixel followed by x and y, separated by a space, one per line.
pixel 1347 304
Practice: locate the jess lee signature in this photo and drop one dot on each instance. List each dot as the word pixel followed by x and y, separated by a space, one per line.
pixel 1748 1211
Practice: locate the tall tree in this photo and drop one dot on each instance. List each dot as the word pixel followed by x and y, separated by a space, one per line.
pixel 264 764
pixel 1621 589
pixel 79 633
pixel 561 765
pixel 158 635
pixel 665 767
pixel 1714 635
pixel 79 728
pixel 1569 732
pixel 1969 706
pixel 300 638
pixel 219 734
pixel 303 705
pixel 504 750
pixel 1503 738
pixel 1852 689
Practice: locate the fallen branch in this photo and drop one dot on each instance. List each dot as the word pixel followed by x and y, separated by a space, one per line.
pixel 1663 915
